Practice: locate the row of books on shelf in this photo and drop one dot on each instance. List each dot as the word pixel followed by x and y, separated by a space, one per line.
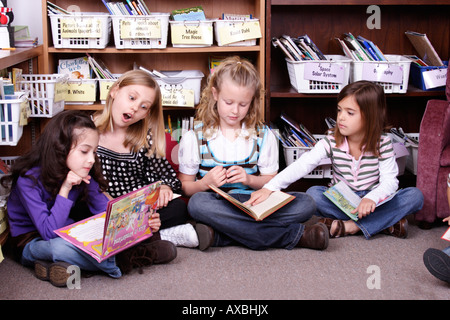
pixel 291 133
pixel 360 49
pixel 298 49
pixel 85 67
pixel 178 126
pixel 357 48
pixel 130 8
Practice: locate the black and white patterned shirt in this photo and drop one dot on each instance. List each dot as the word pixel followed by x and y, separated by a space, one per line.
pixel 126 172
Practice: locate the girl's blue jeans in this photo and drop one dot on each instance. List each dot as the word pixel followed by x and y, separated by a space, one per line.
pixel 282 229
pixel 58 249
pixel 406 201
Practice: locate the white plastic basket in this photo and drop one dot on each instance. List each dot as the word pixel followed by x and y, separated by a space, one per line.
pixel 339 66
pixel 46 93
pixel 323 170
pixel 93 30
pixel 153 34
pixel 10 130
pixel 411 160
pixel 191 33
pixel 181 88
pixel 222 25
pixel 393 60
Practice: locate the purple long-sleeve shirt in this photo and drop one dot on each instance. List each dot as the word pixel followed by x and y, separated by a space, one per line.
pixel 30 207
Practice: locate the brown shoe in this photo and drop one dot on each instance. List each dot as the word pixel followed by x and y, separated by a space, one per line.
pixel 205 236
pixel 55 272
pixel 399 230
pixel 145 254
pixel 161 251
pixel 314 237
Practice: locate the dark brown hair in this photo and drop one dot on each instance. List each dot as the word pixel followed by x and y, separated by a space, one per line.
pixel 372 103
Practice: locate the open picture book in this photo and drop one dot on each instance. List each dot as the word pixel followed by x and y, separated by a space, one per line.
pixel 124 224
pixel 347 200
pixel 259 212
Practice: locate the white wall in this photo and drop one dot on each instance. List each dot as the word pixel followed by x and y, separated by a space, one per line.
pixel 28 13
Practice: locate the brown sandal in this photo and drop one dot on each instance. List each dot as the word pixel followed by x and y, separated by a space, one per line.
pixel 327 222
pixel 339 231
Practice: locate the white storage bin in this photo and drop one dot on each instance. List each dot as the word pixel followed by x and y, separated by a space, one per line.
pixel 81 91
pixel 191 33
pixel 323 170
pixel 80 30
pixel 401 156
pixel 411 160
pixel 10 130
pixel 233 30
pixel 302 74
pixel 141 32
pixel 181 88
pixel 46 92
pixel 364 70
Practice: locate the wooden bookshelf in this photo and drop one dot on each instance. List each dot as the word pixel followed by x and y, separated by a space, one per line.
pixel 323 21
pixel 170 58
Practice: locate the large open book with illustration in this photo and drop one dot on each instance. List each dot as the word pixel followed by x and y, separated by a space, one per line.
pixel 347 200
pixel 124 224
pixel 260 211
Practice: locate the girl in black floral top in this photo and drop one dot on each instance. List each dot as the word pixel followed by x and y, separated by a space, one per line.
pixel 132 150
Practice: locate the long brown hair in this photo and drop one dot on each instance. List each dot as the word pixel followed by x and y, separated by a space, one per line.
pixel 371 100
pixel 243 73
pixel 51 150
pixel 137 132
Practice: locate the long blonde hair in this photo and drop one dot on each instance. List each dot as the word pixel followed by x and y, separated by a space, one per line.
pixel 243 73
pixel 137 132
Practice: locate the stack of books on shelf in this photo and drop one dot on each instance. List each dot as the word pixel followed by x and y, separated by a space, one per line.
pixel 188 14
pixel 292 134
pixel 99 68
pixel 130 8
pixel 54 9
pixel 301 48
pixel 360 49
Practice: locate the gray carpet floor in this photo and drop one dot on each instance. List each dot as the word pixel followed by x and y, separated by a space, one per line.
pixel 352 268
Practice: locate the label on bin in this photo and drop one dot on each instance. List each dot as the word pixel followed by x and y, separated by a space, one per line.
pixel 141 28
pixel 81 28
pixel 104 88
pixel 239 31
pixel 382 72
pixel 60 91
pixel 80 92
pixel 191 34
pixel 176 97
pixel 322 71
pixel 434 78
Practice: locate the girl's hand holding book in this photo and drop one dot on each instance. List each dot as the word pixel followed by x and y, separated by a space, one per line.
pixel 258 197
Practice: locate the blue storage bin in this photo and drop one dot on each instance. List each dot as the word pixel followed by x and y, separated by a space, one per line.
pixel 416 76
